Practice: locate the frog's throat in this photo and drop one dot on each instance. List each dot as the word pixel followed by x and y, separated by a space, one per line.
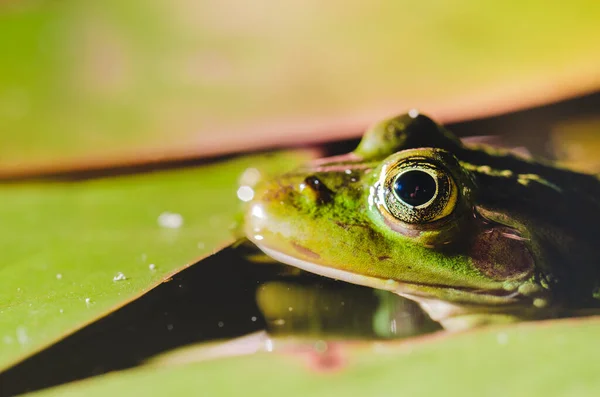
pixel 438 309
pixel 330 272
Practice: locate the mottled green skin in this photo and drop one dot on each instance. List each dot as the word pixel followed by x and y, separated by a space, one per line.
pixel 520 242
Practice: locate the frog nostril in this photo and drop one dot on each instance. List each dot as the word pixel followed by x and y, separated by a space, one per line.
pixel 313 182
pixel 317 189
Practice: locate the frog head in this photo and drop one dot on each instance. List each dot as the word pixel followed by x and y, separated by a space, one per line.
pixel 414 211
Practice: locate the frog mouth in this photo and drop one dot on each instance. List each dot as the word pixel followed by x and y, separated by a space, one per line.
pixel 440 301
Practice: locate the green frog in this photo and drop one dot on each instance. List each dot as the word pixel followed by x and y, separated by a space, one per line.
pixel 473 234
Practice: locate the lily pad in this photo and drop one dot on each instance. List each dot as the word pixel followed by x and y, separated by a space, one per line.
pixel 93 83
pixel 75 251
pixel 543 359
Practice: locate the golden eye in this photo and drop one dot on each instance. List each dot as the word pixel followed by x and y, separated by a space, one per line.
pixel 416 190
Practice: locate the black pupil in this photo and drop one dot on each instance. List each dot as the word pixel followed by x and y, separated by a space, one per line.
pixel 415 187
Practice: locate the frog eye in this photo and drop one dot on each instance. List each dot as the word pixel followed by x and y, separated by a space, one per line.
pixel 416 191
pixel 415 187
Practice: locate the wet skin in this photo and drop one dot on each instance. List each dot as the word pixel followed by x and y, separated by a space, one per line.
pixel 473 234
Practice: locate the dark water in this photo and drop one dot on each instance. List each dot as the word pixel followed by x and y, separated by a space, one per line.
pixel 195 307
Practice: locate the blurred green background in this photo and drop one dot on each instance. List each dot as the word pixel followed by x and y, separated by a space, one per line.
pixel 85 82
pixel 90 84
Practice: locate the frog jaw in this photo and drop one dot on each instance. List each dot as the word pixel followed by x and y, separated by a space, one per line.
pixel 490 307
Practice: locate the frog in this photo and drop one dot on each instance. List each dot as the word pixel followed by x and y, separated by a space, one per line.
pixel 474 234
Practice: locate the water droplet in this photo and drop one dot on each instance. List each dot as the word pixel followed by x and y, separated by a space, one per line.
pixel 258 237
pixel 22 336
pixel 250 177
pixel 152 266
pixel 413 113
pixel 253 318
pixel 245 193
pixel 290 308
pixel 170 220
pixel 61 311
pixel 502 338
pixel 169 327
pixel 88 302
pixel 59 276
pixel 258 212
pixel 119 277
pixel 220 324
pixel 320 346
pixel 269 345
pixel 348 172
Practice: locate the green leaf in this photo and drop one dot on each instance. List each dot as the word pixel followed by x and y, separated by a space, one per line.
pixel 543 359
pixel 80 81
pixel 66 244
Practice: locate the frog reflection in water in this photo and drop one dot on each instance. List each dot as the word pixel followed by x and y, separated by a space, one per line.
pixel 475 235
